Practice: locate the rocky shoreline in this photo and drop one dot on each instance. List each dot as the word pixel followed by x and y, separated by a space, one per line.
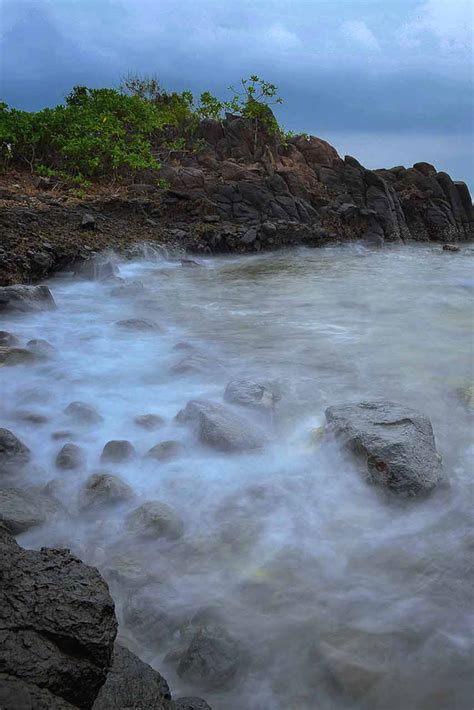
pixel 233 195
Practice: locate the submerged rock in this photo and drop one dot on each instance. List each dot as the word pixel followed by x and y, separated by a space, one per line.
pixel 221 428
pixel 212 660
pixel 118 450
pixel 69 457
pixel 191 703
pixel 149 421
pixel 98 268
pixel 26 298
pixel 58 622
pixel 166 450
pixel 132 288
pixel 41 348
pixel 249 393
pixel 83 413
pixel 140 324
pixel 131 683
pixel 154 520
pixel 10 357
pixel 104 489
pixel 7 340
pixel 13 452
pixel 21 510
pixel 397 442
pixel 145 614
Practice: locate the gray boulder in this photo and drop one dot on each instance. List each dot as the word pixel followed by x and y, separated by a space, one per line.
pixel 213 659
pixel 98 268
pixel 154 520
pixel 249 393
pixel 21 510
pixel 9 357
pixel 220 427
pixel 117 450
pixel 131 684
pixel 13 452
pixel 69 457
pixel 149 421
pixel 143 325
pixel 26 298
pixel 7 340
pixel 104 489
pixel 166 450
pixel 146 613
pixel 397 443
pixel 17 694
pixel 83 413
pixel 41 348
pixel 58 622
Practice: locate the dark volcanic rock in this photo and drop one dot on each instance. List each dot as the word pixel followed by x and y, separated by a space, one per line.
pixel 104 489
pixel 219 427
pixel 132 684
pixel 213 659
pixel 191 703
pixel 26 298
pixel 57 622
pixel 17 694
pixel 13 452
pixel 396 441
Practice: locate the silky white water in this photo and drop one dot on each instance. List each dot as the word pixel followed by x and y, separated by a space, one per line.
pixel 288 547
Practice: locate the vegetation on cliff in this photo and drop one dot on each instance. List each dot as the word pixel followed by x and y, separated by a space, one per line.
pixel 116 132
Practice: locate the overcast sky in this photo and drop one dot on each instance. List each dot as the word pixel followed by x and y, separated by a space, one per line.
pixel 388 81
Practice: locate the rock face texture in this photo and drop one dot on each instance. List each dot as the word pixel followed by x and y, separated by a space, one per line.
pixel 397 443
pixel 57 625
pixel 26 298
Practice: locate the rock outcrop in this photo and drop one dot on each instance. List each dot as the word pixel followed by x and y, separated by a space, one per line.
pixel 396 442
pixel 22 298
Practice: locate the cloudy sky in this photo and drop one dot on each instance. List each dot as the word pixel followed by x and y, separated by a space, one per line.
pixel 388 81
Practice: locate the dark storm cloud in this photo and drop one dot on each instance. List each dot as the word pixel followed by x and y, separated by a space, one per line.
pixel 353 67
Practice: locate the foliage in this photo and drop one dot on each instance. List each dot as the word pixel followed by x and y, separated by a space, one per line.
pixel 118 132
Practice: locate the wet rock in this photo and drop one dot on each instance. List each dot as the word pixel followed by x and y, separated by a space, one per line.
pixel 268 229
pixel 69 457
pixel 166 450
pixel 132 288
pixel 88 221
pixel 83 413
pixel 13 452
pixel 451 247
pixel 41 348
pixel 58 622
pixel 116 451
pixel 397 443
pixel 9 357
pixel 32 417
pixel 26 298
pixel 142 325
pixel 213 659
pixel 191 703
pixel 99 268
pixel 17 694
pixel 103 488
pixel 190 263
pixel 146 613
pixel 56 435
pixel 250 393
pixel 195 363
pixel 155 520
pixel 149 421
pixel 132 684
pixel 218 427
pixel 21 510
pixel 7 340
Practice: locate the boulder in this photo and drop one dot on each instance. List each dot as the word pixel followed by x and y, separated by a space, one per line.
pixel 103 488
pixel 213 659
pixel 219 427
pixel 191 703
pixel 17 694
pixel 451 247
pixel 117 451
pixel 131 683
pixel 41 348
pixel 21 509
pixel 154 520
pixel 69 457
pixel 9 357
pixel 142 325
pixel 249 393
pixel 396 442
pixel 166 450
pixel 149 421
pixel 58 622
pixel 83 413
pixel 99 268
pixel 7 340
pixel 13 452
pixel 146 614
pixel 26 298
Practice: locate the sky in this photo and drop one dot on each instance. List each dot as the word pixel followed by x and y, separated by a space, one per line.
pixel 387 81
